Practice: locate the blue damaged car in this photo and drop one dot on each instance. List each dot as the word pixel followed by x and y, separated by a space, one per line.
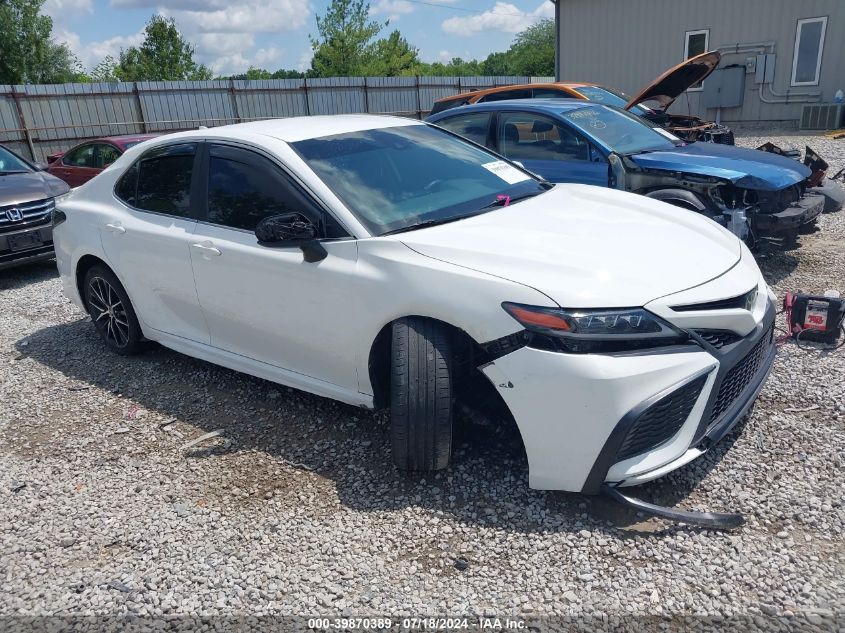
pixel 753 193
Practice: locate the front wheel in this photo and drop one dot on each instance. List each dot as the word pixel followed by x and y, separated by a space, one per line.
pixel 112 312
pixel 421 394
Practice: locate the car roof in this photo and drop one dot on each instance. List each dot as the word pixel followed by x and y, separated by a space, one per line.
pixel 293 129
pixel 547 85
pixel 551 106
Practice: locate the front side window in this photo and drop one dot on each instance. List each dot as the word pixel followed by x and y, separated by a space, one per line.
pixel 80 157
pixel 807 57
pixel 400 177
pixel 696 43
pixel 164 180
pixel 473 126
pixel 618 130
pixel 244 188
pixel 528 136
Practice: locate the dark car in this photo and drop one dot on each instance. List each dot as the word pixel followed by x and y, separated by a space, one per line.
pixel 81 163
pixel 753 193
pixel 27 197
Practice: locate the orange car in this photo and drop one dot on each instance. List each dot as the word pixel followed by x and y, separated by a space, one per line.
pixel 662 91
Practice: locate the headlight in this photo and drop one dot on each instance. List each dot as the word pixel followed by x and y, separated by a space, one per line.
pixel 582 331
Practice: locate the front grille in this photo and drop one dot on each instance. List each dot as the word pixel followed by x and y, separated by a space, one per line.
pixel 742 302
pixel 659 422
pixel 740 376
pixel 719 338
pixel 33 214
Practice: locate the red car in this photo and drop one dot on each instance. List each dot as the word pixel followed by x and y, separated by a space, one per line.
pixel 80 164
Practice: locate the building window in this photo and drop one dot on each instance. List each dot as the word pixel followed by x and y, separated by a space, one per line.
pixel 696 43
pixel 807 58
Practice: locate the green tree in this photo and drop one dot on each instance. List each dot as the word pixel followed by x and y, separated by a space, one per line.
pixel 391 56
pixel 496 64
pixel 105 71
pixel 533 50
pixel 343 46
pixel 164 55
pixel 27 52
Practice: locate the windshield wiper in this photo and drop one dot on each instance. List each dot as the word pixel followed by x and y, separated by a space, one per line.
pixel 426 224
pixel 504 201
pixel 13 171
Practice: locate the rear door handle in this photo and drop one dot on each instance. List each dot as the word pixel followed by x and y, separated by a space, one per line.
pixel 207 249
pixel 116 228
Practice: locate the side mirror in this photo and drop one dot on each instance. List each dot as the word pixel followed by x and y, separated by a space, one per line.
pixel 288 229
pixel 41 166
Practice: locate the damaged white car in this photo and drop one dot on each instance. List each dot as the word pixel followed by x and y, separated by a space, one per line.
pixel 381 261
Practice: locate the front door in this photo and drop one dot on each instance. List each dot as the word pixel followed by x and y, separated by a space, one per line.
pixel 147 241
pixel 268 303
pixel 549 148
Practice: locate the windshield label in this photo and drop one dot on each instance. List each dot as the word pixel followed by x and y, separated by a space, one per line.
pixel 508 173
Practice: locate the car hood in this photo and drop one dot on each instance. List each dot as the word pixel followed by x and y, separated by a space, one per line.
pixel 35 185
pixel 747 168
pixel 672 83
pixel 586 246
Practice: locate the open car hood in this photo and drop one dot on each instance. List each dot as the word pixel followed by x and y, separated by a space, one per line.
pixel 672 83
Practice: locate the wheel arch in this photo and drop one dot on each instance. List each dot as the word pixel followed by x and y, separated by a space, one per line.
pixel 678 197
pixel 83 265
pixel 378 358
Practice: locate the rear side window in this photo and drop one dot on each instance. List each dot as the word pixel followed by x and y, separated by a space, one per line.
pixel 127 185
pixel 472 126
pixel 440 106
pixel 506 94
pixel 164 180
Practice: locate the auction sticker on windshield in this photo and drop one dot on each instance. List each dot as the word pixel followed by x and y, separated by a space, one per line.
pixel 508 173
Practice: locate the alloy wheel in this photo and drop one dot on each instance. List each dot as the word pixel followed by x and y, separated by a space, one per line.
pixel 108 311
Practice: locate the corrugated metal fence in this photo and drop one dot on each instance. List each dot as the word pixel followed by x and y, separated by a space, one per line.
pixel 39 120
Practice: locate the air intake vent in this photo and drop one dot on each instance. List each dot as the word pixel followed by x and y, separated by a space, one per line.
pixel 822 116
pixel 660 422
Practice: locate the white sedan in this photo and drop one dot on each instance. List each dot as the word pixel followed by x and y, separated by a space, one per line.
pixel 381 261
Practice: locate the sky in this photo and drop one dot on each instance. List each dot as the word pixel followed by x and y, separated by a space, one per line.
pixel 232 35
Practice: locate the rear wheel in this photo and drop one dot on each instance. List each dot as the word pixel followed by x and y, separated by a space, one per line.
pixel 421 394
pixel 112 312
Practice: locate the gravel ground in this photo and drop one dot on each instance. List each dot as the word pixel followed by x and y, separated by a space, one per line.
pixel 295 509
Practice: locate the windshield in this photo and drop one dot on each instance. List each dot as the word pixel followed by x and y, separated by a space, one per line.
pixel 618 130
pixel 11 164
pixel 612 97
pixel 399 177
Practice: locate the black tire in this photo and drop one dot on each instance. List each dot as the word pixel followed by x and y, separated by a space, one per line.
pixel 420 395
pixel 112 312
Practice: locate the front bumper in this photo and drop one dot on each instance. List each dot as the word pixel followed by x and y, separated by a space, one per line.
pixel 43 251
pixel 577 413
pixel 790 219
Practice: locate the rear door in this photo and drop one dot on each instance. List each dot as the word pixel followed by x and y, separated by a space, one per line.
pixel 550 148
pixel 266 302
pixel 147 238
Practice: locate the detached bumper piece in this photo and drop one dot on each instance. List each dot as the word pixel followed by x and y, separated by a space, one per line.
pixel 716 520
pixel 790 219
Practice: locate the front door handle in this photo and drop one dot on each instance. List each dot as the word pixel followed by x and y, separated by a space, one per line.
pixel 116 228
pixel 207 249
